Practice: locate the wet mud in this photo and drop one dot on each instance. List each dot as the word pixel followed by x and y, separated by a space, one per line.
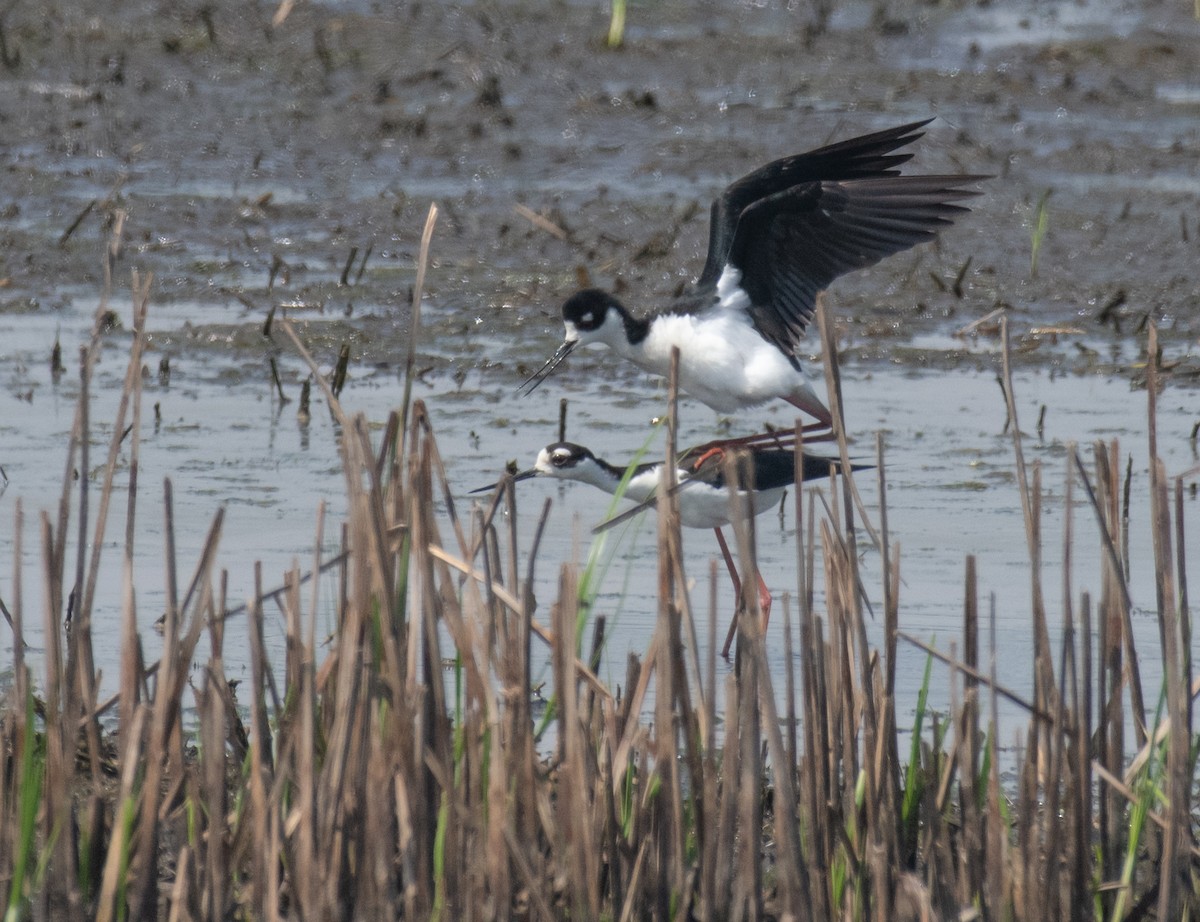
pixel 260 163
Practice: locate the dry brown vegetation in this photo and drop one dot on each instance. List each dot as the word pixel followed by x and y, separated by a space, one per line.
pixel 354 781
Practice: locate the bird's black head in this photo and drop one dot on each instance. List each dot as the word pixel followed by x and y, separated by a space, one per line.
pixel 564 460
pixel 560 458
pixel 587 310
pixel 586 319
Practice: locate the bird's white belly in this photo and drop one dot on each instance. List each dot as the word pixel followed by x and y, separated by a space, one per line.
pixel 723 361
pixel 700 504
pixel 705 507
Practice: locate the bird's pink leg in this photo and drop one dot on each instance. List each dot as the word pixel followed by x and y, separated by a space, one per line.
pixel 822 429
pixel 764 598
pixel 824 419
pixel 737 591
pixel 764 593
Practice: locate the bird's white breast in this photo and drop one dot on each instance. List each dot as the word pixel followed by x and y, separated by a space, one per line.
pixel 723 360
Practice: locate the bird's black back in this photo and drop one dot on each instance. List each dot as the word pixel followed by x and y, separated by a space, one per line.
pixel 773 468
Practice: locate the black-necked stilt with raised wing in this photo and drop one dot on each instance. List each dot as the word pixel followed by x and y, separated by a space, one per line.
pixel 778 237
pixel 704 497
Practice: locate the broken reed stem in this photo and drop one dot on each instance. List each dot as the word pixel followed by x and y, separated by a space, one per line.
pixel 132 668
pixel 671 851
pixel 20 669
pixel 878 774
pixel 1175 863
pixel 1114 570
pixel 977 676
pixel 85 591
pixel 414 329
pixel 1030 508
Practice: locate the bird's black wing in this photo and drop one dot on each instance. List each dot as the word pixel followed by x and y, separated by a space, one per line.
pixel 773 468
pixel 858 158
pixel 789 246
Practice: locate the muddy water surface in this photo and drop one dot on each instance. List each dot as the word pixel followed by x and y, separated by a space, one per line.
pixel 223 440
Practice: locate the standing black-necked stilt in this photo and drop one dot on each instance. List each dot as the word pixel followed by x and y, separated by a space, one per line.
pixel 704 500
pixel 778 237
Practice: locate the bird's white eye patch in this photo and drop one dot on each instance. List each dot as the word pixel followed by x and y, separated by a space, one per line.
pixel 560 457
pixel 587 319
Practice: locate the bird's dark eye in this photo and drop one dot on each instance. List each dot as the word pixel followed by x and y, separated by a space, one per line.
pixel 559 458
pixel 587 321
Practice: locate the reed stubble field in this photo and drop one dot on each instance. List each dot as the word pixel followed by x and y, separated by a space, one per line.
pixel 379 773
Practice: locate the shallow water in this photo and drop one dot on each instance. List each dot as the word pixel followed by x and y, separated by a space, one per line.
pixel 224 440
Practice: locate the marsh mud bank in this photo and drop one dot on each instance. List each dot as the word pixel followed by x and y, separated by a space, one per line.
pixel 253 157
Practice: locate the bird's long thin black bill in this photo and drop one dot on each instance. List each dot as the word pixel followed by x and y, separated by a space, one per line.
pixel 524 475
pixel 547 370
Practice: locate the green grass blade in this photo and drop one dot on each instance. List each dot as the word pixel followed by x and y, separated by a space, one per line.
pixel 1037 234
pixel 616 24
pixel 30 786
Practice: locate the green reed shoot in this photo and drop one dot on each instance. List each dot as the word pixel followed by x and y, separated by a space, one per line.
pixel 597 565
pixel 128 814
pixel 616 24
pixel 914 785
pixel 1037 233
pixel 985 770
pixel 32 770
pixel 628 786
pixel 596 569
pixel 1148 788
